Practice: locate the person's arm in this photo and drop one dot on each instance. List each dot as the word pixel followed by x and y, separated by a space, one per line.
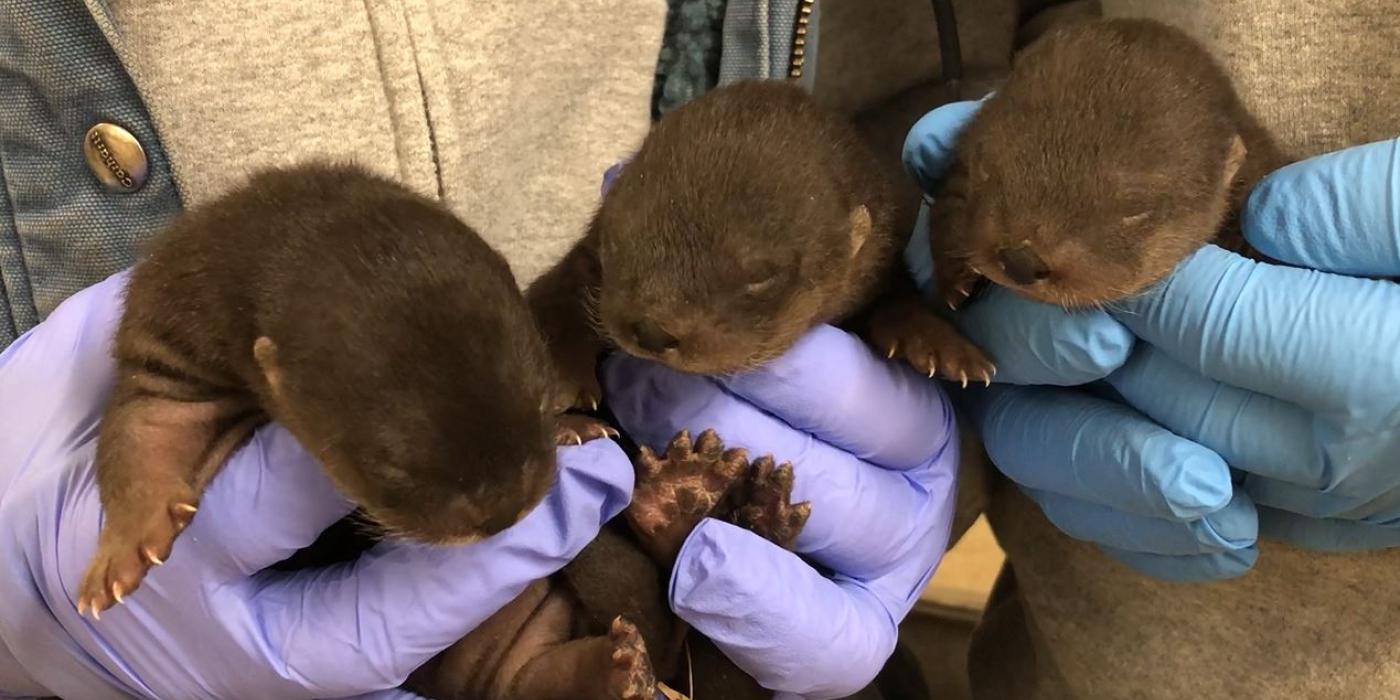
pixel 212 621
pixel 874 450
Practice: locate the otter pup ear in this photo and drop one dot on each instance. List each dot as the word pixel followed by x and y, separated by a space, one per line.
pixel 265 353
pixel 1235 159
pixel 860 224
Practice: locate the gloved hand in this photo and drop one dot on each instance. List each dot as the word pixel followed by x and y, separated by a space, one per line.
pixel 874 449
pixel 1232 400
pixel 209 623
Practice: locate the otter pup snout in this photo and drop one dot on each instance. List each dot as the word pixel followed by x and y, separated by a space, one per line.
pixel 1022 265
pixel 652 338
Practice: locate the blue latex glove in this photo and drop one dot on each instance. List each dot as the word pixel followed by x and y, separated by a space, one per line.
pixel 209 624
pixel 874 449
pixel 1288 376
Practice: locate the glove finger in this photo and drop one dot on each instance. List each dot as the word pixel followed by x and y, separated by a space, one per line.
pixel 1089 449
pixel 1040 344
pixel 1383 509
pixel 822 637
pixel 270 499
pixel 1197 568
pixel 658 402
pixel 1327 534
pixel 1322 341
pixel 1032 343
pixel 1255 433
pixel 1234 527
pixel 1338 212
pixel 65 364
pixel 831 385
pixel 345 628
pixel 1274 441
pixel 929 147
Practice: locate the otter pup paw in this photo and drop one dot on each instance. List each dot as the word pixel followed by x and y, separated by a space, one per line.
pixel 573 429
pixel 956 281
pixel 674 493
pixel 576 383
pixel 135 537
pixel 768 510
pixel 630 676
pixel 930 344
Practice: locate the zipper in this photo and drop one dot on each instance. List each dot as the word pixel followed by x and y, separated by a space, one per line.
pixel 949 50
pixel 798 55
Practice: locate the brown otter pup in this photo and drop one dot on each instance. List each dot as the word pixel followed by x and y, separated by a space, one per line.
pixel 747 217
pixel 1114 149
pixel 599 630
pixel 378 328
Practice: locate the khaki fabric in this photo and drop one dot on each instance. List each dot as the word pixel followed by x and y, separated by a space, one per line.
pixel 509 111
pixel 872 50
pixel 1300 625
pixel 1319 75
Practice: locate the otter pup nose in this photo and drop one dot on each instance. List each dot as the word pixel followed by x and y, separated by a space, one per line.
pixel 653 338
pixel 1022 265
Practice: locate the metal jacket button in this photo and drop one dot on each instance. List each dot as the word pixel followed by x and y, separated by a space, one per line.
pixel 116 157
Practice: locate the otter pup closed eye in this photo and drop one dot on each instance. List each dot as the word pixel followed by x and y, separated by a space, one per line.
pixel 1114 149
pixel 380 330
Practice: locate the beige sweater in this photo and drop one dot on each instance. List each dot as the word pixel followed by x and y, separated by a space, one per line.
pixel 510 111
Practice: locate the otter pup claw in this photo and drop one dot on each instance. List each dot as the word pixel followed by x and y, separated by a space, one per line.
pixel 956 277
pixel 133 539
pixel 576 388
pixel 573 429
pixel 929 343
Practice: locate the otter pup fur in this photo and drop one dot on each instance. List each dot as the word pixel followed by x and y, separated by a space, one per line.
pixel 1115 149
pixel 379 329
pixel 600 629
pixel 746 217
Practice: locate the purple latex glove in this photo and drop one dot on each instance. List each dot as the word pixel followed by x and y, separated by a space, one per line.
pixel 874 449
pixel 209 623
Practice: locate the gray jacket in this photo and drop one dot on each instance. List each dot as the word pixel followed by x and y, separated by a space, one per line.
pixel 211 90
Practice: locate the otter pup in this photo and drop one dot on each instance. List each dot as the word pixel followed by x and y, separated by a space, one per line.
pixel 746 217
pixel 1115 148
pixel 593 631
pixel 383 332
